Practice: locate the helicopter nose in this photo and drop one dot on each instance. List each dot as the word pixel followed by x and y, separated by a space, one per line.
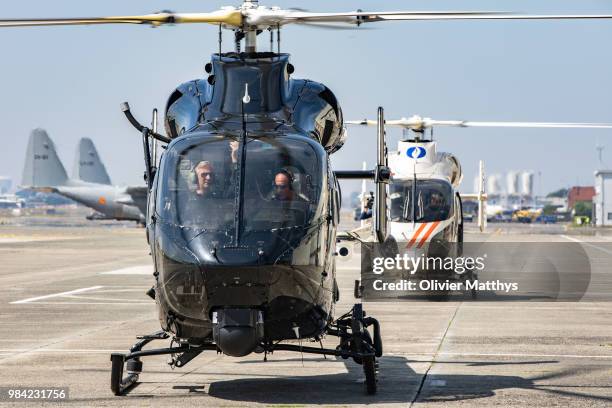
pixel 238 332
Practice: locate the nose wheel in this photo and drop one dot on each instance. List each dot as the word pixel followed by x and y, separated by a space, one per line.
pixel 363 345
pixel 370 369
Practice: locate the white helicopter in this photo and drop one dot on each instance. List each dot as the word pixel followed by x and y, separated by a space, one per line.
pixel 423 208
pixel 425 203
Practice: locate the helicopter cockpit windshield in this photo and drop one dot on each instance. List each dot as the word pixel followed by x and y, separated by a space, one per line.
pixel 204 187
pixel 427 201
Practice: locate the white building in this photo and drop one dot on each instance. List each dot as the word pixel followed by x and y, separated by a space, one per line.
pixel 603 198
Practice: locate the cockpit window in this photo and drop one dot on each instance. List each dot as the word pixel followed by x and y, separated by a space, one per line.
pixel 196 185
pixel 283 181
pixel 202 187
pixel 428 200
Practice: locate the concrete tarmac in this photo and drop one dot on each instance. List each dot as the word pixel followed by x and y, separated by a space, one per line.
pixel 72 295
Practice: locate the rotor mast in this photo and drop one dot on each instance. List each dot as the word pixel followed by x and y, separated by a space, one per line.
pixel 250 33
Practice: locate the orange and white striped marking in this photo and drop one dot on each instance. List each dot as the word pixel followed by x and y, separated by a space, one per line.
pixel 422 233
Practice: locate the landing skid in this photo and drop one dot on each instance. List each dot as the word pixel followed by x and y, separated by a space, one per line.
pixel 352 330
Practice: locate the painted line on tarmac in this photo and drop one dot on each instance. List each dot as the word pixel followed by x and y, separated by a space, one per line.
pixel 103 299
pixel 500 355
pixel 92 303
pixel 21 240
pixel 70 292
pixel 93 351
pixel 607 251
pixel 132 270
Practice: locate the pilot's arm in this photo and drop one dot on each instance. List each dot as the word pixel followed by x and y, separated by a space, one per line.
pixel 366 213
pixel 234 144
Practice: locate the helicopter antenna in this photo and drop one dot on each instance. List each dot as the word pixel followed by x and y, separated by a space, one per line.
pixel 278 38
pixel 271 39
pixel 220 39
pixel 246 98
pixel 238 36
pixel 239 201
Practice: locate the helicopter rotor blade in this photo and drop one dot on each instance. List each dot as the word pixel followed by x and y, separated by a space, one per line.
pixel 419 123
pixel 333 26
pixel 250 17
pixel 227 17
pixel 364 122
pixel 555 125
pixel 359 17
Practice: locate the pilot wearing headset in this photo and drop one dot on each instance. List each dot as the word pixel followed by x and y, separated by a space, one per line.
pixel 204 176
pixel 283 187
pixel 205 179
pixel 436 208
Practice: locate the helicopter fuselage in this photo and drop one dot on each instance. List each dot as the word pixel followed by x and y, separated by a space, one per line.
pixel 238 261
pixel 425 213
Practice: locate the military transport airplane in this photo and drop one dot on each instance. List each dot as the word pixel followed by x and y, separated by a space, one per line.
pixel 90 184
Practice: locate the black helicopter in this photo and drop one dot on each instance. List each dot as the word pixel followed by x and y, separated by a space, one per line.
pixel 242 218
pixel 243 208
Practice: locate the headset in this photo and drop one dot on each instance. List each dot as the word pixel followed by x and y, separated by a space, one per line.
pixel 286 173
pixel 194 175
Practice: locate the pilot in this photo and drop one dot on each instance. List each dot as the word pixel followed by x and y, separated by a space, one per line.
pixel 283 187
pixel 366 210
pixel 205 178
pixel 435 206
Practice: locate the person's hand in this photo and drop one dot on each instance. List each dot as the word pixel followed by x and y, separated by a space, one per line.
pixel 234 148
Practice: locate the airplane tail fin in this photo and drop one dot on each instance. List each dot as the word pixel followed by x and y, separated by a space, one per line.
pixel 87 164
pixel 43 167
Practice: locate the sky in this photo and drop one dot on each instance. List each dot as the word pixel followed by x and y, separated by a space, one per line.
pixel 72 80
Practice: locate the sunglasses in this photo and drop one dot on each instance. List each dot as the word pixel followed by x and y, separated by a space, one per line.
pixel 281 186
pixel 204 175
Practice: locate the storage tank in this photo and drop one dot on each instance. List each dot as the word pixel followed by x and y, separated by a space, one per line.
pixel 494 186
pixel 527 183
pixel 512 183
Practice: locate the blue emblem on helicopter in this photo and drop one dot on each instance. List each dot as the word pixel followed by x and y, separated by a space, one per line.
pixel 416 152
